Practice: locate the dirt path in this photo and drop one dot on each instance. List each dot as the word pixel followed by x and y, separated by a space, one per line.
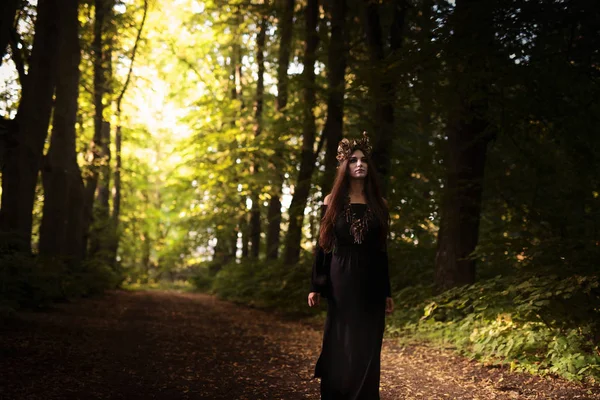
pixel 167 345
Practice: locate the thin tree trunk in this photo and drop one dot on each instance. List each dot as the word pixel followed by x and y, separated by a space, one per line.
pixel 236 94
pixel 104 230
pixel 468 136
pixel 118 132
pixel 274 210
pixel 61 173
pixel 99 145
pixel 146 247
pixel 255 225
pixel 336 58
pixel 233 246
pixel 219 252
pixel 307 163
pixel 286 27
pixel 243 224
pixel 23 160
pixel 116 212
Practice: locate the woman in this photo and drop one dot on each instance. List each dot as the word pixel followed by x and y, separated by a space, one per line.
pixel 351 271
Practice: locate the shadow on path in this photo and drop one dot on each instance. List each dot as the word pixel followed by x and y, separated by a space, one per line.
pixel 169 345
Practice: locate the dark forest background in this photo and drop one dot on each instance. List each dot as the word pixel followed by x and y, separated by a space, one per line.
pixel 190 144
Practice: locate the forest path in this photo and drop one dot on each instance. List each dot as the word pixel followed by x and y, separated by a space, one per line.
pixel 169 345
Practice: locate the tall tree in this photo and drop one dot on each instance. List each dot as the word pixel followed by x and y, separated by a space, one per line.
pixel 61 220
pixel 255 225
pixel 100 146
pixel 469 132
pixel 336 63
pixel 285 28
pixel 307 161
pixel 23 160
pixel 383 82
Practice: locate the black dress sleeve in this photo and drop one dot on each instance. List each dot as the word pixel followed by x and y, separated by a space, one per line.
pixel 387 288
pixel 319 281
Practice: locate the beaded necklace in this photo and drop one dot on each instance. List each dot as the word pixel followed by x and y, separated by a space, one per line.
pixel 358 226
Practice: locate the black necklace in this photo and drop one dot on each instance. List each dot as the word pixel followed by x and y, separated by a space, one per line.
pixel 358 226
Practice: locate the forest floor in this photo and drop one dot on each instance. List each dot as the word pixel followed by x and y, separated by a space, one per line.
pixel 170 345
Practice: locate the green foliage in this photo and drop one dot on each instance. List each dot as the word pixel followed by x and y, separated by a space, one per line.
pixel 542 324
pixel 203 279
pixel 261 284
pixel 178 285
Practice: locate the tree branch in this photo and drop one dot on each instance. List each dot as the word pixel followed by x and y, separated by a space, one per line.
pixel 133 53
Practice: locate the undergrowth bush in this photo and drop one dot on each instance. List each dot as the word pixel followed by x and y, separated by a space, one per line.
pixel 265 284
pixel 29 281
pixel 539 324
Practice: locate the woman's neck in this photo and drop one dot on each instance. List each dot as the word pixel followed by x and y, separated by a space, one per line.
pixel 356 192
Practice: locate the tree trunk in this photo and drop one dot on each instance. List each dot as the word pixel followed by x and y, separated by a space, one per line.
pixel 8 11
pixel 116 212
pixel 220 252
pixel 255 226
pixel 23 160
pixel 461 204
pixel 274 210
pixel 468 136
pixel 286 28
pixel 146 247
pixel 236 94
pixel 233 246
pixel 243 224
pixel 101 54
pixel 382 87
pixel 61 173
pixel 307 163
pixel 336 58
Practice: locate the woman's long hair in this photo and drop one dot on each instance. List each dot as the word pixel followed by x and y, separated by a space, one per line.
pixel 338 199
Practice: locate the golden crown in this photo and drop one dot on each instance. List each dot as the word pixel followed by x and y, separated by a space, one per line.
pixel 346 147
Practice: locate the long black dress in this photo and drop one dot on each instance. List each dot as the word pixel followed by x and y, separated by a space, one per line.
pixel 354 278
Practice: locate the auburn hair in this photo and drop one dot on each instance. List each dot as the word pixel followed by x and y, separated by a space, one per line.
pixel 338 198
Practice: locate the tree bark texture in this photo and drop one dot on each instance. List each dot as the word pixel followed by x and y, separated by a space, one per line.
pixel 61 175
pixel 286 9
pixel 23 160
pixel 307 163
pixel 468 137
pixel 336 59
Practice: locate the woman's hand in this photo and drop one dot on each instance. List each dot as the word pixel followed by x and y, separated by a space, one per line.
pixel 389 305
pixel 314 299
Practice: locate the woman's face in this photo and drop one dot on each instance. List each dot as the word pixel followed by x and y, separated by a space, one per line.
pixel 357 165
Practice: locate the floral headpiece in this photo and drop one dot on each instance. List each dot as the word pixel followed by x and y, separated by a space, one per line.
pixel 346 147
